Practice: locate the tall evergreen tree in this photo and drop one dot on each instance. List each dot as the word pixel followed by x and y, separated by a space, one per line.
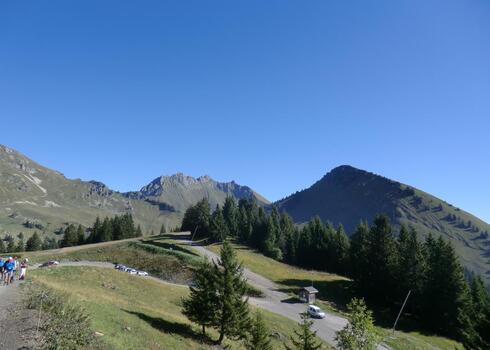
pixel 20 247
pixel 34 243
pixel 49 243
pixel 202 304
pixel 197 218
pixel 478 337
pixel 382 262
pixel 218 228
pixel 258 337
pixel 95 232
pixel 341 246
pixel 359 255
pixel 70 237
pixel 410 272
pixel 80 235
pixel 230 213
pixel 304 338
pixel 2 246
pixel 446 295
pixel 245 225
pixel 232 319
pixel 10 244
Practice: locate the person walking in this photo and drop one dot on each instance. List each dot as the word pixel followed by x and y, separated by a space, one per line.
pixel 9 271
pixel 23 269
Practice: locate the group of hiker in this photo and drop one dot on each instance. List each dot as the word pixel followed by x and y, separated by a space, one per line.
pixel 9 269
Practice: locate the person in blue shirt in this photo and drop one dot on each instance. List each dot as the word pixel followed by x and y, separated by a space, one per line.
pixel 9 271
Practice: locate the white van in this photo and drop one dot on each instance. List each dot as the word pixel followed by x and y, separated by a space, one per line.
pixel 315 311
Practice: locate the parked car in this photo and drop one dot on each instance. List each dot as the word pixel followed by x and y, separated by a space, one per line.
pixel 51 263
pixel 142 273
pixel 132 271
pixel 315 311
pixel 120 267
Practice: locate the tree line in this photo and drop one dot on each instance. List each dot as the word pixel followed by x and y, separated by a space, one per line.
pixel 383 264
pixel 108 229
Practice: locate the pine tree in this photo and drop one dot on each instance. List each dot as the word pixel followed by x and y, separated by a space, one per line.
pixel 359 255
pixel 70 237
pixel 49 243
pixel 382 262
pixel 341 246
pixel 305 338
pixel 232 318
pixel 201 306
pixel 80 235
pixel 95 231
pixel 258 337
pixel 411 267
pixel 20 247
pixel 34 243
pixel 230 214
pixel 270 239
pixel 10 244
pixel 476 334
pixel 359 333
pixel 218 227
pixel 163 229
pixel 2 246
pixel 197 219
pixel 446 297
pixel 106 231
pixel 245 226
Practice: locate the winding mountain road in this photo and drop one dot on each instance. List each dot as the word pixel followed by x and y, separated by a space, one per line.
pixel 274 301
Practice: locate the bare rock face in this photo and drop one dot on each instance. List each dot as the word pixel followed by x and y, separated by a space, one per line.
pixel 180 191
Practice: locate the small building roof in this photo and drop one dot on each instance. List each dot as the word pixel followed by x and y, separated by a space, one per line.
pixel 310 290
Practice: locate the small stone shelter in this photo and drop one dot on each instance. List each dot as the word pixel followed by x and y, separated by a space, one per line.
pixel 308 294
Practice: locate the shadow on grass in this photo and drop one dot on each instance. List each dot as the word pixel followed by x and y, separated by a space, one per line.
pixel 338 292
pixel 292 300
pixel 183 236
pixel 166 326
pixel 170 246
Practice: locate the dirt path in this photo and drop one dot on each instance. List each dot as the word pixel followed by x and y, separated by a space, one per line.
pixel 17 324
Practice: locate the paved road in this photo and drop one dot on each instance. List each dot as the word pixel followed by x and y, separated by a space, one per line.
pixel 273 299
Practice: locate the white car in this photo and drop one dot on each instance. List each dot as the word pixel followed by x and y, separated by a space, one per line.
pixel 142 273
pixel 132 271
pixel 315 311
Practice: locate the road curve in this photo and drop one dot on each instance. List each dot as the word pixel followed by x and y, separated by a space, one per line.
pixel 272 300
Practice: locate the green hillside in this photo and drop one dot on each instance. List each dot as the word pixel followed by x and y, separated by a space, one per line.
pixel 35 198
pixel 348 195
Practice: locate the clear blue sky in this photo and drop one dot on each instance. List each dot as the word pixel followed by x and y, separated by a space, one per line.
pixel 272 94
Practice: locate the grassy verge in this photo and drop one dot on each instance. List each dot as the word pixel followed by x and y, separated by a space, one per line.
pixel 137 313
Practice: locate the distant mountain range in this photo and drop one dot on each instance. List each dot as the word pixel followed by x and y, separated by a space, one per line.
pixel 35 198
pixel 178 192
pixel 348 195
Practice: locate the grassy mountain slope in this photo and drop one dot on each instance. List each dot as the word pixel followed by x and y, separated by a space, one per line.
pixel 35 198
pixel 178 192
pixel 348 195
